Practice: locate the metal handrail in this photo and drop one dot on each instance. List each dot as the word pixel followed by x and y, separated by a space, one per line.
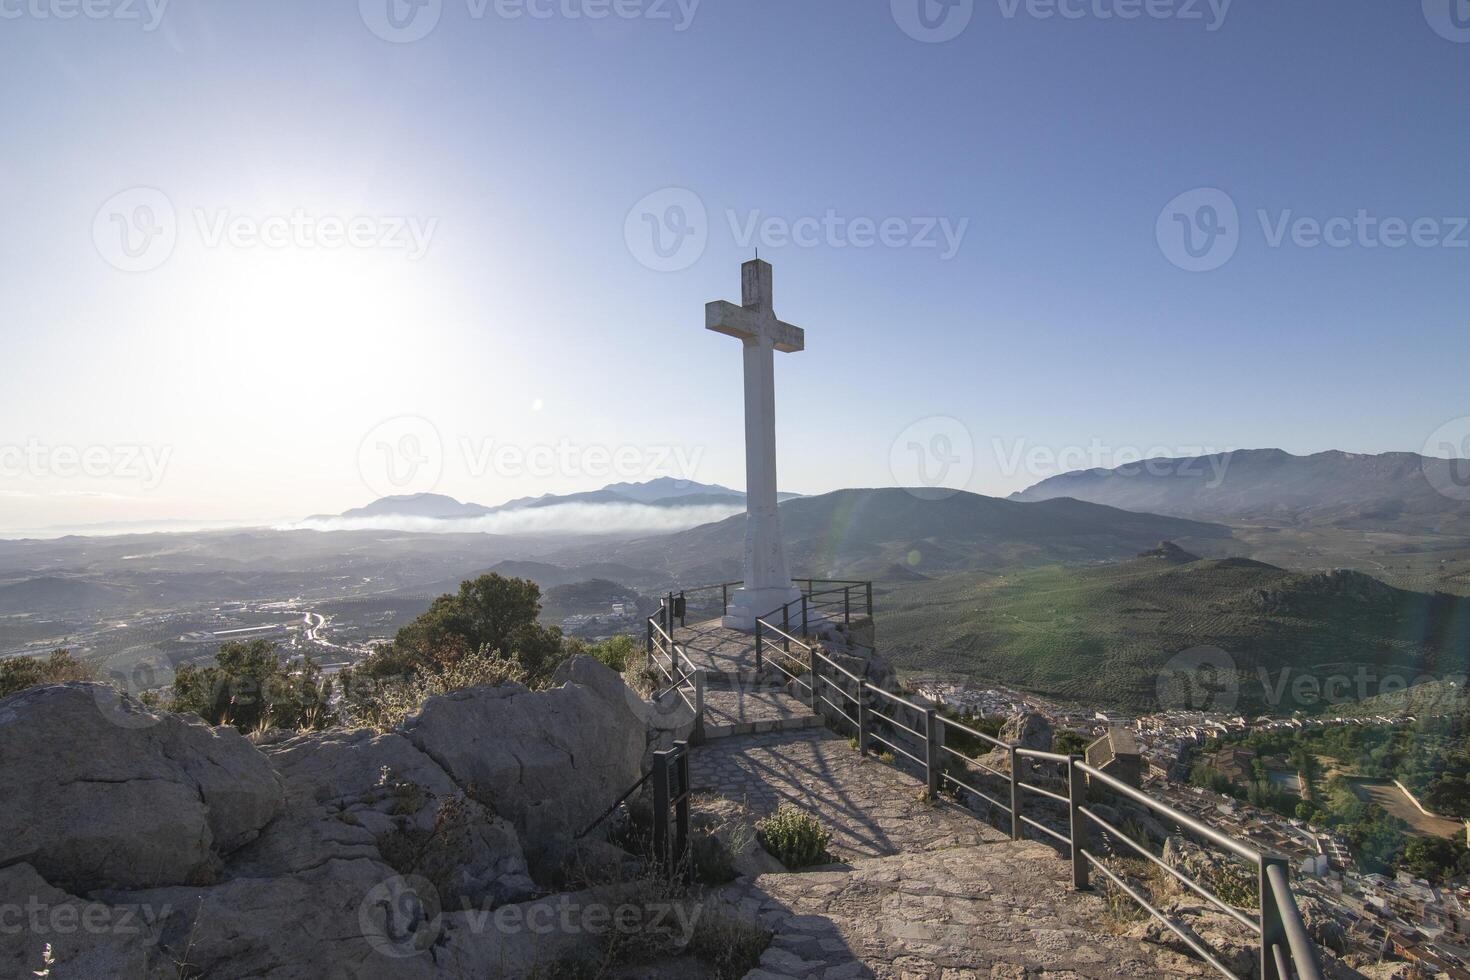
pixel 978 734
pixel 1204 830
pixel 1303 953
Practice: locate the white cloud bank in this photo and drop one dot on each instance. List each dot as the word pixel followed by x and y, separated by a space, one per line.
pixel 552 519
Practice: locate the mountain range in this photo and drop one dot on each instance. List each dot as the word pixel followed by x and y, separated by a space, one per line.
pixel 661 492
pixel 1388 491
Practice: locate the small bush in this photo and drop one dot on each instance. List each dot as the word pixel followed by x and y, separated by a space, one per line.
pixel 19 673
pixel 730 947
pixel 382 703
pixel 795 838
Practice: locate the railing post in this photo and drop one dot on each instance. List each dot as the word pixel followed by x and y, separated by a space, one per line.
pixel 758 649
pixel 681 815
pixel 863 718
pixel 648 641
pixel 811 656
pixel 683 608
pixel 805 633
pixel 1017 829
pixel 1273 930
pixel 699 681
pixel 870 598
pixel 661 806
pixel 932 740
pixel 724 598
pixel 1076 796
pixel 847 605
pixel 786 627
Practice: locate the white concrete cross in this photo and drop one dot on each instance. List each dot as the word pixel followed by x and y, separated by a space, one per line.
pixel 767 581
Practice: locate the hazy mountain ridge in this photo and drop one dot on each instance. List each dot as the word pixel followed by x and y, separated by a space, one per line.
pixel 863 533
pixel 1384 491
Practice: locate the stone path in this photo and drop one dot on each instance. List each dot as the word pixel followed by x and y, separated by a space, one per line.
pixel 744 710
pixel 719 651
pixel 871 808
pixel 996 910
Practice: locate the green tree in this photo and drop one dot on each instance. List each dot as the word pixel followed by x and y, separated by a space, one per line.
pixel 19 673
pixel 250 688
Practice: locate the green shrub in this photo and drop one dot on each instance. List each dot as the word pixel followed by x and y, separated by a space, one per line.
pixel 19 673
pixel 794 837
pixel 382 703
pixel 250 688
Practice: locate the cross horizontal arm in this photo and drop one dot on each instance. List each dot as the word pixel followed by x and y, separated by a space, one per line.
pixel 747 324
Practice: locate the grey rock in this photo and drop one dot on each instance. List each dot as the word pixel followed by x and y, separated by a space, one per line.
pixel 115 795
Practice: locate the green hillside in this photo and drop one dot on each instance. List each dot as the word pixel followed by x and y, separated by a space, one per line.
pixel 1104 634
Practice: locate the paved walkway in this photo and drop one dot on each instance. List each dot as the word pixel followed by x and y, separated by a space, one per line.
pixel 871 808
pixel 744 709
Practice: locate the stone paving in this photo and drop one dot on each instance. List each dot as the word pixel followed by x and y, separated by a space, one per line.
pixel 718 650
pixel 996 910
pixel 742 710
pixel 871 808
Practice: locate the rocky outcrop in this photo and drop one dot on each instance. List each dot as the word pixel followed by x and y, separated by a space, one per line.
pixel 325 855
pixel 124 797
pixel 549 761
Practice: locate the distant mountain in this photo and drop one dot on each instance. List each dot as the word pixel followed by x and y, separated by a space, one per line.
pixel 1386 491
pixel 865 533
pixel 661 492
pixel 1108 634
pixel 431 505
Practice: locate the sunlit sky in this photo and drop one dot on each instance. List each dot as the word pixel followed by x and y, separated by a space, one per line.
pixel 505 290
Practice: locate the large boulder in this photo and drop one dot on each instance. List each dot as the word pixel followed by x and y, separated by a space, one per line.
pixel 549 761
pixel 104 793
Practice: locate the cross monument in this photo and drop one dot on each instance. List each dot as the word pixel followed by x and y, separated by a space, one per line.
pixel 767 582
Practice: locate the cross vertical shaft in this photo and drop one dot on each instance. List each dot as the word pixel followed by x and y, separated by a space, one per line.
pixel 767 583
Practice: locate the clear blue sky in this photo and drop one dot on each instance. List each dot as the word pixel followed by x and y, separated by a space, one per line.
pixel 1059 325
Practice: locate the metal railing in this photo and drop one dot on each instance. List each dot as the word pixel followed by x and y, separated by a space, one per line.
pixel 672 664
pixel 669 775
pixel 829 600
pixel 915 733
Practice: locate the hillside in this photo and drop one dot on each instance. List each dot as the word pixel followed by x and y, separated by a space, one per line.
pixel 864 533
pixel 1389 491
pixel 1105 634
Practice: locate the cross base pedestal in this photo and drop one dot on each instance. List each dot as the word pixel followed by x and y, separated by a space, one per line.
pixel 748 605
